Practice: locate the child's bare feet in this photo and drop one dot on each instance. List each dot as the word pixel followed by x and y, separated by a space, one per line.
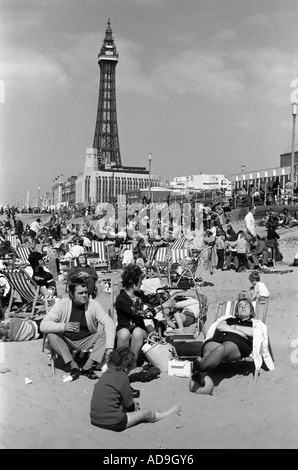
pixel 164 414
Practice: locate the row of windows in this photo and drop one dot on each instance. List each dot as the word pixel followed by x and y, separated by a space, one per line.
pixel 107 187
pixel 258 182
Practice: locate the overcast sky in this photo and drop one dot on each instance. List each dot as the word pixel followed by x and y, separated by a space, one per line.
pixel 204 85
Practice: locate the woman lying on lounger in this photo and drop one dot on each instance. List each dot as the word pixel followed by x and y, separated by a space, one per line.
pixel 230 339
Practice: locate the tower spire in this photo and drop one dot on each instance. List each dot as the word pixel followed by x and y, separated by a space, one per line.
pixel 106 139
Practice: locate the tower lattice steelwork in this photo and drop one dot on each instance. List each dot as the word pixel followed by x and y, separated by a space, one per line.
pixel 106 139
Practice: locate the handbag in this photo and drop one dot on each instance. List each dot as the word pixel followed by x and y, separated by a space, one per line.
pixel 158 351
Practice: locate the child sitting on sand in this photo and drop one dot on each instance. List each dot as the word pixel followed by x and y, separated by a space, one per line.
pixel 112 404
pixel 259 289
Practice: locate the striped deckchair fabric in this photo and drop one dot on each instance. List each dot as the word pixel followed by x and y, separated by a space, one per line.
pixel 100 249
pixel 23 253
pixel 228 307
pixel 150 252
pixel 161 254
pixel 126 246
pixel 27 289
pixel 225 308
pixel 179 243
pixel 14 240
pixel 178 254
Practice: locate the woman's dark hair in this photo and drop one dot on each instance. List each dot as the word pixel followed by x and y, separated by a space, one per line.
pixel 131 275
pixel 122 359
pixel 74 282
pixel 252 310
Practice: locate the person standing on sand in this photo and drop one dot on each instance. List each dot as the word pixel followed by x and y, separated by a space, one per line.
pixel 250 223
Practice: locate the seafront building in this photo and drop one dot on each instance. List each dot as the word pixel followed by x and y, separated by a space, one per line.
pixel 103 177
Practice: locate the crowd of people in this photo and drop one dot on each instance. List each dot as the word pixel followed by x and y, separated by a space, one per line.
pixel 77 321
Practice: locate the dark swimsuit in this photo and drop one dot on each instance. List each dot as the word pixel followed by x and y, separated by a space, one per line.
pixel 244 344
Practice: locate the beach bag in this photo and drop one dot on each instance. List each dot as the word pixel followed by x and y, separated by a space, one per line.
pixel 158 351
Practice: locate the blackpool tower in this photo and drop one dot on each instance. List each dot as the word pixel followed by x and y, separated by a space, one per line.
pixel 106 139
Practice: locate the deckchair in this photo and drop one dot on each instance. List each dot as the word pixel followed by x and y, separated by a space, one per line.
pixel 32 294
pixel 228 307
pixel 192 332
pixel 178 254
pixel 23 252
pixel 99 250
pixel 183 269
pixel 150 252
pixel 177 245
pixel 52 355
pixel 14 240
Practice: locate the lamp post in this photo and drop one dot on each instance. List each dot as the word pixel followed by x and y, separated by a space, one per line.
pixel 242 170
pixel 294 114
pixel 149 181
pixel 38 197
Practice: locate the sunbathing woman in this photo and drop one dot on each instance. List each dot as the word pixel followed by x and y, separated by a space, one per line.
pixel 230 339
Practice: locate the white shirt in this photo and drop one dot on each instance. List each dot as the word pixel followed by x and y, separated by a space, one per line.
pixel 86 242
pixel 250 223
pixel 74 252
pixel 261 290
pixel 128 257
pixel 35 226
pixel 190 304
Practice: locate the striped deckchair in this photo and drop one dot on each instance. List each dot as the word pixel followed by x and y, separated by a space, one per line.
pixel 100 254
pixel 32 294
pixel 126 246
pixel 178 254
pixel 177 245
pixel 14 240
pixel 100 249
pixel 23 252
pixel 150 252
pixel 260 308
pixel 228 307
pixel 161 254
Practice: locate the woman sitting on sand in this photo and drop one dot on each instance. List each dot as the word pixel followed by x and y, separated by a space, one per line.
pixel 230 339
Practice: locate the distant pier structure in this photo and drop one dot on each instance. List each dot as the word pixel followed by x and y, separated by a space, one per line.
pixel 106 138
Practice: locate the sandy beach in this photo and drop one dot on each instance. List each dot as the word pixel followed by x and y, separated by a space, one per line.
pixel 241 413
